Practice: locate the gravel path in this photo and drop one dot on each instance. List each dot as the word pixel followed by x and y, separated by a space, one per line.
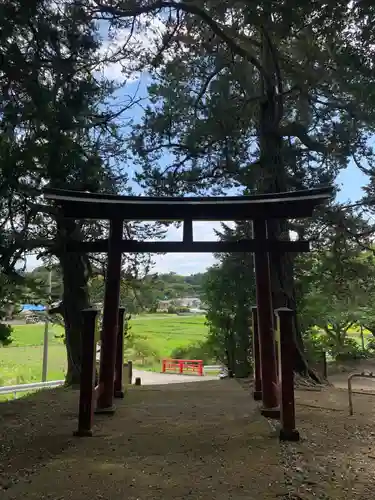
pixel 187 441
pixel 340 381
pixel 203 440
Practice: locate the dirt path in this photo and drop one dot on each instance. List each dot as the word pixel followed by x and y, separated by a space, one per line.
pixel 340 380
pixel 201 440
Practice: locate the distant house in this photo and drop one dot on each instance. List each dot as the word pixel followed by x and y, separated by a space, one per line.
pixel 188 302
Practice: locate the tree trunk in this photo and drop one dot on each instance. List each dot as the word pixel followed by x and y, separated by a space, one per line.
pixel 75 274
pixel 230 352
pixel 283 295
pixel 242 368
pixel 274 178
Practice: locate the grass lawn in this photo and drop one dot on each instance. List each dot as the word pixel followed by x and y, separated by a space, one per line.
pixel 164 333
pixel 21 362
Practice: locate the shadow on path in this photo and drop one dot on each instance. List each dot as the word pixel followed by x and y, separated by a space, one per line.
pixel 202 439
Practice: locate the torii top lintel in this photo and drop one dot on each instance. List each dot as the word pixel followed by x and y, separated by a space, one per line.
pixel 85 205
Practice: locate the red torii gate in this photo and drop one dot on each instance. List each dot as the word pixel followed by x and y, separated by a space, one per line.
pixel 258 208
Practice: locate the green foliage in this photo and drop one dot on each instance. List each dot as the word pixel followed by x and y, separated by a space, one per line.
pixel 205 98
pixel 200 350
pixel 58 125
pixel 276 104
pixel 14 290
pixel 5 334
pixel 335 286
pixel 149 339
pixel 136 295
pixel 229 292
pixel 346 350
pixel 350 350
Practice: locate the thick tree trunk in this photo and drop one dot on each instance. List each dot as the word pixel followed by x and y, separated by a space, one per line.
pixel 274 178
pixel 283 295
pixel 75 273
pixel 242 368
pixel 230 352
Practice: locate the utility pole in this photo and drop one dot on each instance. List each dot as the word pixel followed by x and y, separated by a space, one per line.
pixel 362 339
pixel 46 328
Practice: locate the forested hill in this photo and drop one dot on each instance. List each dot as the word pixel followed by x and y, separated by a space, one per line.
pixel 172 285
pixel 149 291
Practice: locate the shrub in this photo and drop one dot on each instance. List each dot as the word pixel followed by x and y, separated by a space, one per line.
pixel 315 343
pixel 5 334
pixel 200 350
pixel 351 351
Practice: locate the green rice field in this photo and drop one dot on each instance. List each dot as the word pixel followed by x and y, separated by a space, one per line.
pixel 154 337
pixel 157 335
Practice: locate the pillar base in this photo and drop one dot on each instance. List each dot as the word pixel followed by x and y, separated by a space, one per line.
pixel 119 394
pixel 257 395
pixel 109 410
pixel 82 433
pixel 270 412
pixel 289 435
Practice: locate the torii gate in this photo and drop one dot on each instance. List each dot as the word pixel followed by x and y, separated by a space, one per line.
pixel 258 208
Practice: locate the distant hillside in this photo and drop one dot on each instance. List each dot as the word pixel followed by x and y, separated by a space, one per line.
pixel 172 285
pixel 140 295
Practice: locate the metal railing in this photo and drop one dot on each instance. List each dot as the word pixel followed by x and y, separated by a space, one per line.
pixel 350 390
pixel 14 389
pixel 212 368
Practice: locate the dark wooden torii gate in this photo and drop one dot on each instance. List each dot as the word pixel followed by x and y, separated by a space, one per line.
pixel 258 208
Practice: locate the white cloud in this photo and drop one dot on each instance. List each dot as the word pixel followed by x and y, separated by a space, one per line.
pixel 181 263
pixel 188 263
pixel 32 262
pixel 129 46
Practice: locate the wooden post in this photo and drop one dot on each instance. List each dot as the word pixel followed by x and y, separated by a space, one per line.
pixel 87 383
pixel 257 389
pixel 118 387
pixel 128 372
pixel 265 325
pixel 287 353
pixel 110 318
pixel 325 368
pixel 362 338
pixel 187 231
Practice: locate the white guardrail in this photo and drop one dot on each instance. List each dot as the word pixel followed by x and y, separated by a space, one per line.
pixel 212 368
pixel 14 389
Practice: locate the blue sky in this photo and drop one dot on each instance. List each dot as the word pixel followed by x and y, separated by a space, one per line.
pixel 350 182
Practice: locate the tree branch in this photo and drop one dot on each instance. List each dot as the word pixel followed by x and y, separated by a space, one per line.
pixel 295 129
pixel 190 8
